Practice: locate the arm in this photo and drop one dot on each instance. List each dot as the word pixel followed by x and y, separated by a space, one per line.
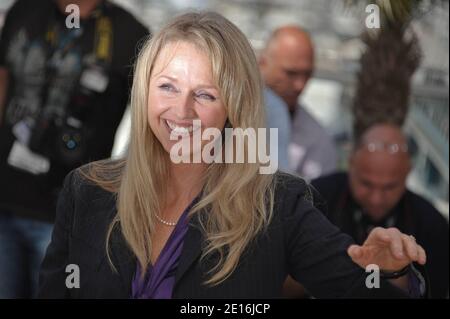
pixel 12 21
pixel 3 90
pixel 293 290
pixel 391 250
pixel 53 269
pixel 318 257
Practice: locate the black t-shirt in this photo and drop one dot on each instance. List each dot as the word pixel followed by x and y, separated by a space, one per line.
pixel 413 215
pixel 78 80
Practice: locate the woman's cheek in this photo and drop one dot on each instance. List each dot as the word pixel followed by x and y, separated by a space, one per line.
pixel 213 118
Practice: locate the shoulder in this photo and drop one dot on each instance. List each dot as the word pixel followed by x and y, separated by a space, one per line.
pixel 126 19
pixel 85 189
pixel 24 6
pixel 313 130
pixel 81 184
pixel 292 192
pixel 26 11
pixel 331 183
pixel 426 214
pixel 86 209
pixel 129 36
pixel 273 100
pixel 313 125
pixel 276 111
pixel 287 184
pixel 309 121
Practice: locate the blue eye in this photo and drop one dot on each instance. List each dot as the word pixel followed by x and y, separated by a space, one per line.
pixel 167 87
pixel 206 96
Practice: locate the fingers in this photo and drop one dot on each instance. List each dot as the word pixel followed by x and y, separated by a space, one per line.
pixel 358 255
pixel 380 234
pixel 396 243
pixel 401 249
pixel 391 237
pixel 355 252
pixel 422 255
pixel 404 246
pixel 410 247
pixel 414 251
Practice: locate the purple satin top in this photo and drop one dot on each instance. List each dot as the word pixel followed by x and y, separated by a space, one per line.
pixel 160 278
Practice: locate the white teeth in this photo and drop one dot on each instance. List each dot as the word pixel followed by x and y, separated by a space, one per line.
pixel 180 130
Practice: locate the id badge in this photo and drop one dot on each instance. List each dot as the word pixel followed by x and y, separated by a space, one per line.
pixel 22 158
pixel 94 79
pixel 22 131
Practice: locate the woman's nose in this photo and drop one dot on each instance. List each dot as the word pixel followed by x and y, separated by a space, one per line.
pixel 184 108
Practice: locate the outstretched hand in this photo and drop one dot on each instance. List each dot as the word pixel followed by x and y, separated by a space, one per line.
pixel 389 249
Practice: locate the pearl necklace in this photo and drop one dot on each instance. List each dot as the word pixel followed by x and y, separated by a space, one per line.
pixel 171 224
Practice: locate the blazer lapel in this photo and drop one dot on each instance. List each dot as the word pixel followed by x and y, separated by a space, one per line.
pixel 192 248
pixel 123 259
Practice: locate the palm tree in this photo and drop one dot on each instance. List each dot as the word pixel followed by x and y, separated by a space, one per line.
pixel 392 55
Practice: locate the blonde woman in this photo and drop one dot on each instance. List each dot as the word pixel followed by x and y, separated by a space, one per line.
pixel 146 227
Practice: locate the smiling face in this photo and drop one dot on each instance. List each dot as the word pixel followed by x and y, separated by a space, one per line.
pixel 182 90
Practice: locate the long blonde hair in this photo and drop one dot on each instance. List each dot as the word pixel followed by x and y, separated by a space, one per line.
pixel 238 200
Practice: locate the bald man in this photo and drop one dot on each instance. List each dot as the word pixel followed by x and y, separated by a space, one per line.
pixel 286 64
pixel 374 193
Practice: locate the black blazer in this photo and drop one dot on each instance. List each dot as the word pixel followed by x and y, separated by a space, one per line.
pixel 300 241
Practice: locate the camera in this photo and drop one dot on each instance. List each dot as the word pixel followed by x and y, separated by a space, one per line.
pixel 60 140
pixel 62 135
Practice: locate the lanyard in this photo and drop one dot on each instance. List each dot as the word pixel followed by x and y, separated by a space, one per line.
pixel 62 42
pixel 350 215
pixel 65 43
pixel 59 43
